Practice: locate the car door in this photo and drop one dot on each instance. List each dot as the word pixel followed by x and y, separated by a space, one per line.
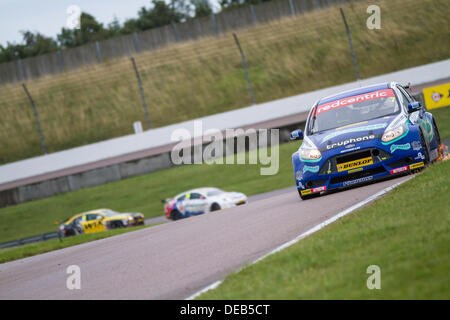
pixel 195 203
pixel 93 223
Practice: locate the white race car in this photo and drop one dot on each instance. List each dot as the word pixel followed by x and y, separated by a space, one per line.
pixel 202 200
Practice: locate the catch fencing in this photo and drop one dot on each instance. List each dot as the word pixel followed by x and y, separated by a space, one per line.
pixel 101 51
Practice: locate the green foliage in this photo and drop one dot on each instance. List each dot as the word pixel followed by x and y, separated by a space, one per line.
pixel 33 44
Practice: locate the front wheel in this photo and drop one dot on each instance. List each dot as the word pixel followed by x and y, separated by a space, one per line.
pixel 215 207
pixel 438 141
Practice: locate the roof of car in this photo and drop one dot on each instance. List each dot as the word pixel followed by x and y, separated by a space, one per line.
pixel 198 190
pixel 203 190
pixel 354 92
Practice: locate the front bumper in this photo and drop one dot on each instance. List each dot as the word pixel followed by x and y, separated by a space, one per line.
pixel 371 163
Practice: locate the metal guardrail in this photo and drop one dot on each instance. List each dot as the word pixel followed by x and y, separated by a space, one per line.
pixel 19 242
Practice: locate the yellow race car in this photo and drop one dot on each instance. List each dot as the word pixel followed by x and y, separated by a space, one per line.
pixel 97 221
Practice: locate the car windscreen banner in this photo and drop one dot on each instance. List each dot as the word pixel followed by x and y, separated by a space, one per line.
pixel 385 93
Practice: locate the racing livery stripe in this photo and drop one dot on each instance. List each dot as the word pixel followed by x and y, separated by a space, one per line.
pixel 313 190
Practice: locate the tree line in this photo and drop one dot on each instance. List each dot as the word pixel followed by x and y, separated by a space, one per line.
pixel 158 14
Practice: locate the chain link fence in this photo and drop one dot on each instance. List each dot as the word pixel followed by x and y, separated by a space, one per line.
pixel 191 79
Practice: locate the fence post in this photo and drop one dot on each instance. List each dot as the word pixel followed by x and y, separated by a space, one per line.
pixel 99 53
pixel 21 74
pixel 214 22
pixel 175 30
pixel 137 43
pixel 141 90
pixel 350 44
pixel 44 148
pixel 60 60
pixel 252 10
pixel 244 63
pixel 291 5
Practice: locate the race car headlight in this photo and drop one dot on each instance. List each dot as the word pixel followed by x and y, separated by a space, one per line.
pixel 392 134
pixel 310 154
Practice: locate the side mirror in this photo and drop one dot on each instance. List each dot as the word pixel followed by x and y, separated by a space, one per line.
pixel 414 106
pixel 296 135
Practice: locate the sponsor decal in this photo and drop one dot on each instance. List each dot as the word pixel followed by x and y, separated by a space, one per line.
pixel 405 146
pixel 360 180
pixel 354 99
pixel 355 170
pixel 348 150
pixel 420 156
pixel 350 142
pixel 437 97
pixel 416 145
pixel 356 129
pixel 313 190
pixel 319 189
pixel 298 175
pixel 401 169
pixel 354 164
pixel 416 165
pixel 307 191
pixel 300 184
pixel 311 169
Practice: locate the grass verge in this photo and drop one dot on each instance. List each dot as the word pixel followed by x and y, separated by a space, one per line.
pixel 14 253
pixel 406 234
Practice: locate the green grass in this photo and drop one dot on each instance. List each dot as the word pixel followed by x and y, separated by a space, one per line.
pixel 142 193
pixel 406 234
pixel 202 77
pixel 14 253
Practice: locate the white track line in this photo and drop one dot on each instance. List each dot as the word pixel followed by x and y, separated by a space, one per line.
pixel 309 232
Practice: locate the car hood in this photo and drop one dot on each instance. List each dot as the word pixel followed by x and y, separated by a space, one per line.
pixel 352 134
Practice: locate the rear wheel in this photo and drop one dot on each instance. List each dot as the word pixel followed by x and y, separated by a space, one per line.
pixel 215 207
pixel 175 215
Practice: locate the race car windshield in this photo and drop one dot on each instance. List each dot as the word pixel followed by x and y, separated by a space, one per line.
pixel 354 109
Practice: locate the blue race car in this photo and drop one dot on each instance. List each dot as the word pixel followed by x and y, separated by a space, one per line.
pixel 362 135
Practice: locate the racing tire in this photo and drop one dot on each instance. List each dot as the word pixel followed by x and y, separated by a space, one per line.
pixel 175 215
pixel 309 196
pixel 436 131
pixel 215 207
pixel 425 148
pixel 438 141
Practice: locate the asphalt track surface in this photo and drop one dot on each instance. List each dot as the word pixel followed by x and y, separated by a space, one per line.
pixel 175 260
